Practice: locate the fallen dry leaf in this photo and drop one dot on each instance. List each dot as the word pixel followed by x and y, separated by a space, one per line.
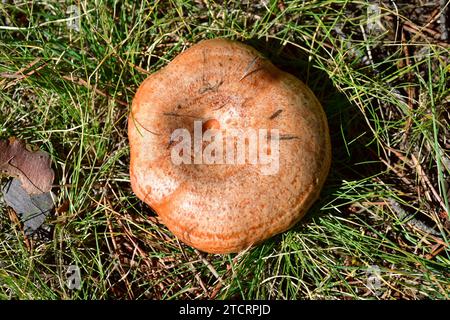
pixel 32 209
pixel 33 169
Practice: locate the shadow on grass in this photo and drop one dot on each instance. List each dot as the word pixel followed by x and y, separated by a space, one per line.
pixel 353 155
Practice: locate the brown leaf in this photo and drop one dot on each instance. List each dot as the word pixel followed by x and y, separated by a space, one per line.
pixel 32 168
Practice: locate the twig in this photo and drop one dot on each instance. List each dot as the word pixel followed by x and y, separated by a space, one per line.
pixel 198 278
pixel 288 136
pixel 390 167
pixel 209 266
pixel 275 114
pixel 422 174
pixel 136 120
pixel 16 221
pixel 414 164
pixel 84 83
pixel 410 90
pixel 174 114
pixel 124 275
pixel 19 74
pixel 248 70
pixel 439 247
pixel 45 23
pixel 417 31
pixel 138 68
pixel 129 235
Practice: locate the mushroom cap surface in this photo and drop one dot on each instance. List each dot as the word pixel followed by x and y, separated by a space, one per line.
pixel 226 85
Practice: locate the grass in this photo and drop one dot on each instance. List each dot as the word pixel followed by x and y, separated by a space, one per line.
pixel 383 214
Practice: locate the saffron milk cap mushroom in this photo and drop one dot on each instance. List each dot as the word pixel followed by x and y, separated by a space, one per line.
pixel 226 148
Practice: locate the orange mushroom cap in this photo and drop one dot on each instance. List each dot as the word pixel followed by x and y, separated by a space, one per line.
pixel 225 206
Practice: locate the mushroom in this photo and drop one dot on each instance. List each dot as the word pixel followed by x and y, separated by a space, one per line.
pixel 214 97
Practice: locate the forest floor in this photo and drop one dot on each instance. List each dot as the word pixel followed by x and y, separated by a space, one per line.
pixel 380 230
